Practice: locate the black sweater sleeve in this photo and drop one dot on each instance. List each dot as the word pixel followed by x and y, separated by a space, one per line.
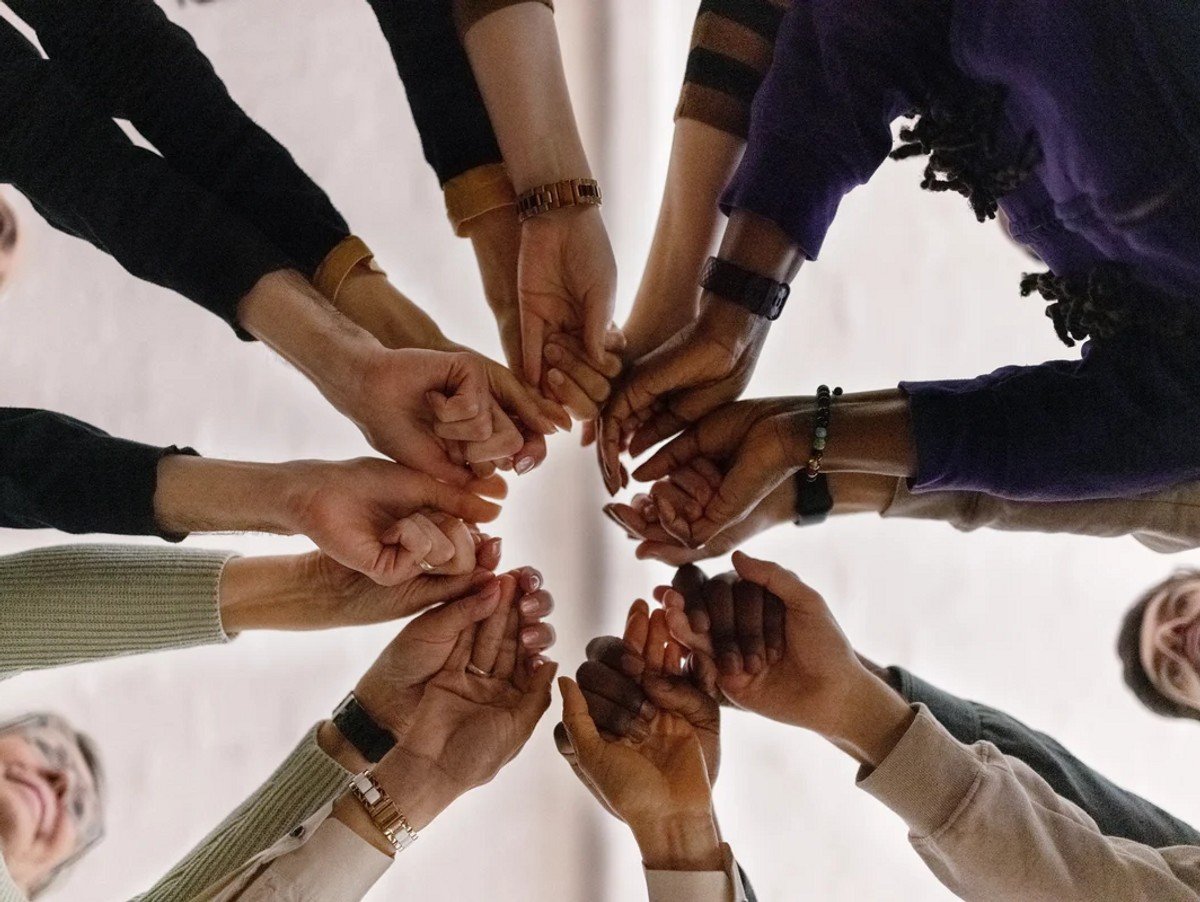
pixel 88 179
pixel 443 95
pixel 129 61
pixel 60 473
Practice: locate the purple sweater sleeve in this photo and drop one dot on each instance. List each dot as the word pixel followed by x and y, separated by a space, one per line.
pixel 820 124
pixel 1123 420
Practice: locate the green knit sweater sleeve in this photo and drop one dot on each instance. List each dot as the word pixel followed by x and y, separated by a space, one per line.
pixel 306 781
pixel 74 603
pixel 8 890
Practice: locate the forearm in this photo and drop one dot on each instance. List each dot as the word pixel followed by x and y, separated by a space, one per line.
pixel 702 161
pixel 515 55
pixel 868 434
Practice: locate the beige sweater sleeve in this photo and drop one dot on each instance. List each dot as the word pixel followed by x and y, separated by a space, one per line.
pixel 74 603
pixel 990 828
pixel 1166 521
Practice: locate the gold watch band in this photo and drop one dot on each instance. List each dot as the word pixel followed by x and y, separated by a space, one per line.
pixel 556 195
pixel 382 810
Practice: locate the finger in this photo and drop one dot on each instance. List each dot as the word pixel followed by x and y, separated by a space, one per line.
pixel 491 633
pixel 718 597
pixel 570 394
pixel 627 518
pixel 742 489
pixel 410 535
pixel 461 653
pixel 681 629
pixel 672 553
pixel 637 626
pixel 676 511
pixel 510 647
pixel 429 454
pixel 463 557
pixel 697 487
pixel 600 680
pixel 708 471
pixel 773 635
pixel 441 548
pixel 598 305
pixel 568 350
pixel 607 650
pixel 535 697
pixel 533 329
pixel 459 407
pixel 537 637
pixel 675 455
pixel 531 454
pixel 489 553
pixel 529 579
pixel 615 340
pixel 534 411
pixel 674 656
pixel 660 427
pixel 748 616
pixel 448 621
pixel 689 582
pixel 644 505
pixel 656 643
pixel 461 502
pixel 775 579
pixel 613 719
pixel 491 485
pixel 504 441
pixel 608 452
pixel 581 729
pixel 587 434
pixel 535 606
pixel 476 429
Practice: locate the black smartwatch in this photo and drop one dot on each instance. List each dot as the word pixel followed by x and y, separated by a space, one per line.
pixel 758 294
pixel 361 731
pixel 813 501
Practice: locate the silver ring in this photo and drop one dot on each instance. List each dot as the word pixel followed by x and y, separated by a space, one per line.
pixel 426 566
pixel 478 671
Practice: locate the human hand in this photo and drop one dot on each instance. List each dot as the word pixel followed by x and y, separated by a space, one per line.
pixel 780 653
pixel 704 366
pixel 313 591
pixel 395 684
pixel 721 469
pixel 481 706
pixel 567 282
pixel 657 784
pixel 579 383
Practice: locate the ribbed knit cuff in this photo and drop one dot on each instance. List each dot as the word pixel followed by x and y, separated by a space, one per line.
pixel 925 777
pixel 307 780
pixel 957 715
pixel 75 603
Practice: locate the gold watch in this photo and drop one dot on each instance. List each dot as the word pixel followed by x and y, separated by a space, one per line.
pixel 382 810
pixel 556 195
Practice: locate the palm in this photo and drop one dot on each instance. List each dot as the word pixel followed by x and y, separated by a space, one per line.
pixel 665 771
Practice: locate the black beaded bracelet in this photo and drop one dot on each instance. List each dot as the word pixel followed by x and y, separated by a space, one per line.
pixel 812 469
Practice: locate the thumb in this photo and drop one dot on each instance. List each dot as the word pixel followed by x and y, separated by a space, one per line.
pixel 536 698
pixel 576 720
pixel 780 582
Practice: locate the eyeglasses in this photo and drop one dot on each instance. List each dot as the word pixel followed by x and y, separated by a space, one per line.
pixel 59 744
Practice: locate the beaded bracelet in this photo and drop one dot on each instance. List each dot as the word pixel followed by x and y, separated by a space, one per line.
pixel 812 469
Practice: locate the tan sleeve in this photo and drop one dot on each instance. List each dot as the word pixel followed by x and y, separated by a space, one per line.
pixel 468 12
pixel 990 828
pixel 733 45
pixel 1167 521
pixel 697 886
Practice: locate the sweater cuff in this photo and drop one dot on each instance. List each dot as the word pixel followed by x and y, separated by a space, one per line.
pixel 958 716
pixel 791 185
pixel 475 193
pixel 956 425
pixel 926 778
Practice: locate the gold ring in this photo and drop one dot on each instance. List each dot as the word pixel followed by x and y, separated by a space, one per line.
pixel 478 671
pixel 426 566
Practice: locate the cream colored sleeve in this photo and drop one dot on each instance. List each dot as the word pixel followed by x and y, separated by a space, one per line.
pixel 697 886
pixel 990 828
pixel 1166 521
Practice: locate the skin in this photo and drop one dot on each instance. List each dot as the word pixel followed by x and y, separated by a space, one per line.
pixel 9 242
pixel 39 823
pixel 374 516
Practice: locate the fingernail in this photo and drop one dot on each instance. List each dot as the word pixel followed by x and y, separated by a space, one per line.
pixel 534 579
pixel 666 509
pixel 530 636
pixel 496 545
pixel 638 730
pixel 553 353
pixel 555 377
pixel 491 590
pixel 524 465
pixel 537 664
pixel 529 606
pixel 647 711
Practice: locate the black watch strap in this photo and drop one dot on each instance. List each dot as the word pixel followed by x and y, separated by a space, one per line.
pixel 361 730
pixel 758 294
pixel 813 501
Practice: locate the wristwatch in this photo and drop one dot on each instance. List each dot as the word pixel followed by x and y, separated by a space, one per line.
pixel 759 294
pixel 554 196
pixel 361 730
pixel 813 500
pixel 382 810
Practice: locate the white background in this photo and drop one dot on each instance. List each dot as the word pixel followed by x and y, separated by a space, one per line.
pixel 908 287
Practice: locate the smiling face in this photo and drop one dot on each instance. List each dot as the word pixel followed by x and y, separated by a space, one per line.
pixel 1169 647
pixel 50 806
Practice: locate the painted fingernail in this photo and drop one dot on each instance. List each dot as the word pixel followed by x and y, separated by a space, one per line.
pixel 495 546
pixel 524 465
pixel 555 377
pixel 530 636
pixel 553 353
pixel 529 606
pixel 638 730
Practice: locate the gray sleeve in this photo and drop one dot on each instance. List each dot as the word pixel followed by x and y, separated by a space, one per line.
pixel 1166 521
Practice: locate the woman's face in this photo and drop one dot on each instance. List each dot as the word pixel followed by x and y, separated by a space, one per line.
pixel 50 808
pixel 8 240
pixel 1170 643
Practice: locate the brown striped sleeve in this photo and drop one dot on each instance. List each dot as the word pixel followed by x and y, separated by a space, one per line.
pixel 468 12
pixel 733 44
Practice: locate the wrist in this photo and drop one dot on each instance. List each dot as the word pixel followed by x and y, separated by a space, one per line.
pixel 874 718
pixel 198 494
pixel 417 786
pixel 267 593
pixel 871 436
pixel 731 324
pixel 369 300
pixel 680 843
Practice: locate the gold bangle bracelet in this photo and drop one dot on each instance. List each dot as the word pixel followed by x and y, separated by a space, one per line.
pixel 556 195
